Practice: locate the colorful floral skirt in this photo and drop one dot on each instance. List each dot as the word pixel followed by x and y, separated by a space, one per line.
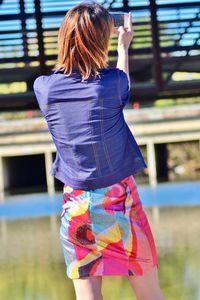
pixel 106 232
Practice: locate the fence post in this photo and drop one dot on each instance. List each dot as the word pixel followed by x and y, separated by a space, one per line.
pixel 157 65
pixel 49 178
pixel 151 158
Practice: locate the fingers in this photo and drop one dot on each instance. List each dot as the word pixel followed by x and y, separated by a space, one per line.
pixel 121 29
pixel 118 30
pixel 130 26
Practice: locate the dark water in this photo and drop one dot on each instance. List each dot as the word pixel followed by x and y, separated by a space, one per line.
pixel 32 263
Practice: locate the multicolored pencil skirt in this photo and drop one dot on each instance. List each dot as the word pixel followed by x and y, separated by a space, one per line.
pixel 106 232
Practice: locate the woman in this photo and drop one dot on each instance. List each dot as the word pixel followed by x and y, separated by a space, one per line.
pixel 104 230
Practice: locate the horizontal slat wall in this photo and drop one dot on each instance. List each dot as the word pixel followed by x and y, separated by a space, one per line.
pixel 179 27
pixel 20 39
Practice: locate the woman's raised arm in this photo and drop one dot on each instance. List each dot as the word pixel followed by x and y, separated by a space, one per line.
pixel 125 36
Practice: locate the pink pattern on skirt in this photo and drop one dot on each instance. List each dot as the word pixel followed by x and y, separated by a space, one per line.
pixel 106 232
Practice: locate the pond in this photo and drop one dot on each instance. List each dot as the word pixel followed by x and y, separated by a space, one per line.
pixel 32 263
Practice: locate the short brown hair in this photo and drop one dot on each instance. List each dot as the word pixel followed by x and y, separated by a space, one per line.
pixel 83 40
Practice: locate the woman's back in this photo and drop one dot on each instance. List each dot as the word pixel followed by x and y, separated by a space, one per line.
pixel 95 147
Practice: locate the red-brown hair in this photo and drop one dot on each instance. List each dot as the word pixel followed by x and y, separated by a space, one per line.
pixel 83 40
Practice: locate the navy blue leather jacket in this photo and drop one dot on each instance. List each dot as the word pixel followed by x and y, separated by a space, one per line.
pixel 95 147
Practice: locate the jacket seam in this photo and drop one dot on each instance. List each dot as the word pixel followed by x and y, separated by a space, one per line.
pixel 93 145
pixel 103 138
pixel 73 155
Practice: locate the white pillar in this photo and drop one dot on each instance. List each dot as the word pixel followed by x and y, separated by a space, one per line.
pixel 151 161
pixel 2 195
pixel 49 178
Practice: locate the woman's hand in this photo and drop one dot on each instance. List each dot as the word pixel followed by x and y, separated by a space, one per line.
pixel 125 35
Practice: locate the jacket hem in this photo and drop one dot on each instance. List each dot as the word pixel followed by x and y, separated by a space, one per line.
pixel 98 182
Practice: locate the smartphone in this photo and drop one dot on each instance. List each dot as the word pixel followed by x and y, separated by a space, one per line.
pixel 120 19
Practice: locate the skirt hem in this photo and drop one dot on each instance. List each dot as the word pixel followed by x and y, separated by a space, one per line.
pixel 120 274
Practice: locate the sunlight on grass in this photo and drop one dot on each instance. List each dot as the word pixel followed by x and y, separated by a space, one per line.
pixel 178 76
pixel 14 87
pixel 34 63
pixel 178 101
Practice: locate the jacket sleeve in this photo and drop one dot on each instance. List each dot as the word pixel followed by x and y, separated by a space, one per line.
pixel 41 93
pixel 124 88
